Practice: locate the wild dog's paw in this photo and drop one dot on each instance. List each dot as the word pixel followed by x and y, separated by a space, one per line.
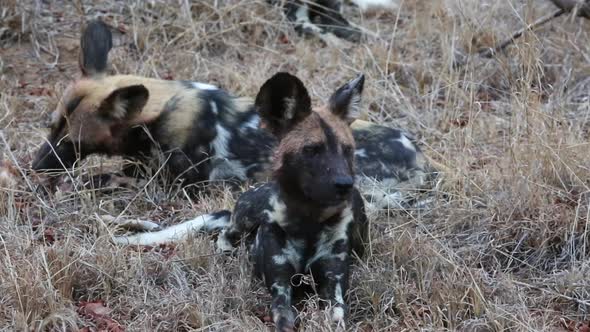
pixel 338 317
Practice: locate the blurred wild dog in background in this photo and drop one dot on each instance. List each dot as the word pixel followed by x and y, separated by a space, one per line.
pixel 201 133
pixel 309 218
pixel 324 17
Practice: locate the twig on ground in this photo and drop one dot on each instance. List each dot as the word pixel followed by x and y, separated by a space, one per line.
pixel 490 52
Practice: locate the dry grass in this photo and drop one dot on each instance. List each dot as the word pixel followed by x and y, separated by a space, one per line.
pixel 505 246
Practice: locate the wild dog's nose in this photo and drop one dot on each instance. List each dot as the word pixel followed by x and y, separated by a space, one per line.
pixel 343 184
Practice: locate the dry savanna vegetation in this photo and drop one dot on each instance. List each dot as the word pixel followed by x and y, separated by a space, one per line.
pixel 504 243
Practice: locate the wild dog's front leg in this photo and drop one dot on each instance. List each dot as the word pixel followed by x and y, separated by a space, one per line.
pixel 331 273
pixel 276 269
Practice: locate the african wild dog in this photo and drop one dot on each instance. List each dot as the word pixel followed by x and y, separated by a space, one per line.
pixel 309 217
pixel 202 133
pixel 324 17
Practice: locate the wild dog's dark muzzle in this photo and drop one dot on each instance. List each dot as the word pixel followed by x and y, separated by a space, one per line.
pixel 343 184
pixel 54 158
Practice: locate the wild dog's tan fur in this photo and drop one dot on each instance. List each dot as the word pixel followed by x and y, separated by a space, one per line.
pixel 85 123
pixel 309 132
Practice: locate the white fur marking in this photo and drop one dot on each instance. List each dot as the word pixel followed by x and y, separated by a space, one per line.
pixel 279 211
pixel 337 314
pixel 174 233
pixel 204 86
pixel 365 5
pixel 328 238
pixel 281 291
pixel 407 143
pixel 252 123
pixel 119 108
pixel 292 252
pixel 338 294
pixel 279 259
pixel 221 142
pixel 302 17
pixel 354 109
pixel 223 167
pixel 290 104
pixel 362 153
pixel 214 107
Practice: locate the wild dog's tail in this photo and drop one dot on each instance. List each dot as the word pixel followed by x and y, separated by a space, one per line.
pixel 203 223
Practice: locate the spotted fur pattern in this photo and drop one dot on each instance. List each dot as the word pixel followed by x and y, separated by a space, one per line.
pixel 309 219
pixel 199 132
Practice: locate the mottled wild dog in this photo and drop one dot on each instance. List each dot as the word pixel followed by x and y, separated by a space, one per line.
pixel 202 133
pixel 309 218
pixel 324 17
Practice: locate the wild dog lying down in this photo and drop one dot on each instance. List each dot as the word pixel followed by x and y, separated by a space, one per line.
pixel 324 17
pixel 309 217
pixel 202 133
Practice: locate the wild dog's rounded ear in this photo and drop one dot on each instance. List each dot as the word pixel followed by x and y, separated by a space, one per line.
pixel 124 103
pixel 346 101
pixel 95 44
pixel 282 102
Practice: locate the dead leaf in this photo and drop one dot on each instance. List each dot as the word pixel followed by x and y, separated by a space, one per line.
pixel 97 312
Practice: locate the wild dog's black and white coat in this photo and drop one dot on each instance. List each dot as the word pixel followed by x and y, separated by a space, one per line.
pixel 202 133
pixel 309 218
pixel 324 18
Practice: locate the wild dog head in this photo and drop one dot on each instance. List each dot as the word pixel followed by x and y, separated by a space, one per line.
pixel 314 160
pixel 92 112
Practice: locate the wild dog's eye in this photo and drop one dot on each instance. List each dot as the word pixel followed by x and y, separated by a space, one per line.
pixel 312 150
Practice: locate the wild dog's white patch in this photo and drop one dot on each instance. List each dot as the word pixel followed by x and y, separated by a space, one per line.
pixel 354 109
pixel 224 167
pixel 365 5
pixel 228 169
pixel 278 213
pixel 279 259
pixel 338 314
pixel 204 86
pixel 292 253
pixel 338 297
pixel 252 123
pixel 329 237
pixel 174 233
pixel 290 105
pixel 221 142
pixel 407 143
pixel 362 153
pixel 302 18
pixel 214 107
pixel 119 108
pixel 338 311
pixel 281 291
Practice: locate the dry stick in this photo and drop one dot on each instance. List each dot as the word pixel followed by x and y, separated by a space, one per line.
pixel 552 292
pixel 580 7
pixel 490 52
